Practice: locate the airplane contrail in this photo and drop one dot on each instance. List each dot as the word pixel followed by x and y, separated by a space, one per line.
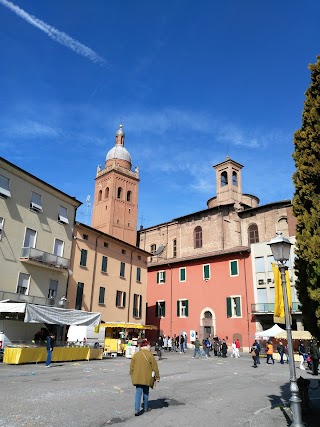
pixel 54 34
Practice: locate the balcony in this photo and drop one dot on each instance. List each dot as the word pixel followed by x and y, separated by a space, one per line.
pixel 268 308
pixel 44 259
pixel 61 303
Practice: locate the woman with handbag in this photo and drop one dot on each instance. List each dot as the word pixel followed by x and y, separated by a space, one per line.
pixel 144 373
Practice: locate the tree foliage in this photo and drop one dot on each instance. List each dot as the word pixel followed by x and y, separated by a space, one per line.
pixel 306 204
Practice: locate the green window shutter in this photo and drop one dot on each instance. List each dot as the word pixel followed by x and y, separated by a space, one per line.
pixel 138 278
pixel 187 307
pixel 83 258
pixel 164 277
pixel 140 307
pixel 206 271
pixel 229 308
pixel 182 274
pixel 238 306
pixel 117 293
pixel 164 309
pixel 234 268
pixel 124 299
pixel 104 264
pixel 158 275
pixel 178 308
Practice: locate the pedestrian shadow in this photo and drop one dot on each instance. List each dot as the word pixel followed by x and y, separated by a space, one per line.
pixel 282 402
pixel 163 403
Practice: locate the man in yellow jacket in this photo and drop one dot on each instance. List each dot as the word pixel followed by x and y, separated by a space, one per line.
pixel 144 372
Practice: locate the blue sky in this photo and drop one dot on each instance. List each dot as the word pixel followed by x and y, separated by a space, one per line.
pixel 191 81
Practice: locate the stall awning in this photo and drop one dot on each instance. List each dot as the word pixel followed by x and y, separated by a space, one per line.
pixel 127 325
pixel 60 316
pixel 272 332
pixel 296 335
pixel 12 307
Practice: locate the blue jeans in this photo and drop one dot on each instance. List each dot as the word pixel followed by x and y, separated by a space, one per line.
pixel 49 357
pixel 182 348
pixel 196 352
pixel 139 390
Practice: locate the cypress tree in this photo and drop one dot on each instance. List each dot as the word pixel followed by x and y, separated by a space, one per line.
pixel 306 204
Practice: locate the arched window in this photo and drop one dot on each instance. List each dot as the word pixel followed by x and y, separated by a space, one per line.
pixel 234 179
pixel 207 315
pixel 197 234
pixel 224 179
pixel 129 196
pixel 119 193
pixel 99 195
pixel 283 226
pixel 253 234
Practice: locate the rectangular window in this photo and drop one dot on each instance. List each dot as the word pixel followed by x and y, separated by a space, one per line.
pixel 233 306
pixel 83 257
pixel 160 309
pixel 23 283
pixel 259 264
pixel 161 277
pixel 122 269
pixel 182 274
pixel 234 268
pixel 79 296
pixel 137 306
pixel 174 248
pixel 120 299
pixel 182 308
pixel 63 215
pixel 58 247
pixel 53 288
pixel 270 260
pixel 1 227
pixel 102 292
pixel 206 272
pixel 85 237
pixel 106 245
pixel 153 248
pixel 138 275
pixel 4 187
pixel 36 203
pixel 30 238
pixel 104 264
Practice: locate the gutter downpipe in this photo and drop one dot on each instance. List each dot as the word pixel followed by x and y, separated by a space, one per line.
pixel 130 284
pixel 94 271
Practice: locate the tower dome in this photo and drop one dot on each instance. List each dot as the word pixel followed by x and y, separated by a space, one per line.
pixel 118 152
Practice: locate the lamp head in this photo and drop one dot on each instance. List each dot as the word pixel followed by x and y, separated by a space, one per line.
pixel 280 248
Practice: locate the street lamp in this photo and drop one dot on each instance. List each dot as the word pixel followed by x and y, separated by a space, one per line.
pixel 280 247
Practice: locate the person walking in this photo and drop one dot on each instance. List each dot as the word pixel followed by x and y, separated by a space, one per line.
pixel 302 352
pixel 50 345
pixel 206 347
pixel 270 352
pixel 144 372
pixel 224 348
pixel 174 339
pixel 196 349
pixel 258 350
pixel 237 348
pixel 181 344
pixel 254 353
pixel 315 356
pixel 280 350
pixel 169 343
pixel 234 349
pixel 177 343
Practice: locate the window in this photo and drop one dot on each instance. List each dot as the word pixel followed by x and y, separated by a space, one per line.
pixel 63 215
pixel 259 264
pixel 253 234
pixel 122 269
pixel 1 227
pixel 153 248
pixel 58 247
pixel 23 283
pixel 99 195
pixel 102 292
pixel 234 271
pixel 139 257
pixel 106 193
pixel 174 248
pixel 104 264
pixel 138 275
pixel 4 187
pixel 106 245
pixel 224 179
pixel 160 309
pixel 182 274
pixel 197 234
pixel 83 257
pixel 270 261
pixel 36 203
pixel 234 179
pixel 79 296
pixel 234 306
pixel 137 306
pixel 85 237
pixel 53 287
pixel 206 271
pixel 161 277
pixel 121 299
pixel 30 238
pixel 182 308
pixel 123 251
pixel 129 196
pixel 119 193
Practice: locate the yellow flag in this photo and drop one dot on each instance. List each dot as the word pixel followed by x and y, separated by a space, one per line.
pixel 279 314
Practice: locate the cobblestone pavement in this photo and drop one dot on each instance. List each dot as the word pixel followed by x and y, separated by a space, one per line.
pixel 218 391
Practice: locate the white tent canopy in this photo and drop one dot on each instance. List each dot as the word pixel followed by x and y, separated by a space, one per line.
pixel 12 307
pixel 272 332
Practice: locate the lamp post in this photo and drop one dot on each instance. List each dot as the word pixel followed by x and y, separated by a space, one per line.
pixel 280 247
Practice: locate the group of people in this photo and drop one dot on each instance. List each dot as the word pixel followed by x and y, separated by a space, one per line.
pixel 176 343
pixel 310 355
pixel 219 347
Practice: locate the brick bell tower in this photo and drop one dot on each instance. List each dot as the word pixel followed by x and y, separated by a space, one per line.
pixel 115 207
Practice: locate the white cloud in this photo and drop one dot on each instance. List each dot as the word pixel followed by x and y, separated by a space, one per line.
pixel 54 34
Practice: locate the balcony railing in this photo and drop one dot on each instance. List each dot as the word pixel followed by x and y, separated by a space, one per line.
pixel 263 308
pixel 61 303
pixel 47 259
